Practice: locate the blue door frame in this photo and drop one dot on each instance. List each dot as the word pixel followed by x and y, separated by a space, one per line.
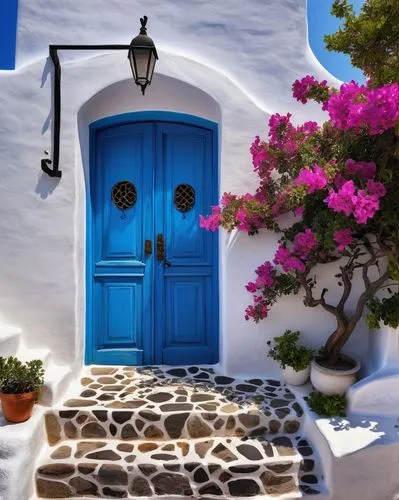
pixel 154 348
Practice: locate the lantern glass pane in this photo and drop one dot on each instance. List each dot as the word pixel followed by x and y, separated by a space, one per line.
pixel 132 64
pixel 151 66
pixel 141 56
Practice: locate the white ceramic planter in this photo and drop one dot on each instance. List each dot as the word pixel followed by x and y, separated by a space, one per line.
pixel 331 382
pixel 296 378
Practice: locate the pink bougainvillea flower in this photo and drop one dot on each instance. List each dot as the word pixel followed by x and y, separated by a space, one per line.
pixel 366 205
pixel 339 180
pixel 338 105
pixel 227 198
pixel 258 311
pixel 259 158
pixel 265 275
pixel 376 188
pixel 381 111
pixel 309 128
pixel 358 107
pixel 363 169
pixel 304 243
pixel 281 131
pixel 255 146
pixel 212 222
pixel 342 201
pixel 287 261
pixel 290 147
pixel 282 254
pixel 362 204
pixel 308 87
pixel 262 160
pixel 294 264
pixel 314 179
pixel 251 287
pixel 344 238
pixel 298 212
pixel 242 218
pixel 258 152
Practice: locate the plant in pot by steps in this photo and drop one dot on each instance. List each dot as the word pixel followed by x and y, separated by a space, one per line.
pixel 19 386
pixel 330 191
pixel 383 321
pixel 294 359
pixel 385 310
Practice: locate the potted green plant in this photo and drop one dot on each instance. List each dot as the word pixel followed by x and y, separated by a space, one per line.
pixel 294 359
pixel 330 191
pixel 19 386
pixel 383 321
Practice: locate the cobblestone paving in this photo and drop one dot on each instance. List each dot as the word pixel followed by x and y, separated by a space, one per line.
pixel 134 432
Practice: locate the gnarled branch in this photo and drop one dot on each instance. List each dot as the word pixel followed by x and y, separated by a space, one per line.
pixel 347 282
pixel 312 302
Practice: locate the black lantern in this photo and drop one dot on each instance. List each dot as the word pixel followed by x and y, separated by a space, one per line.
pixel 142 56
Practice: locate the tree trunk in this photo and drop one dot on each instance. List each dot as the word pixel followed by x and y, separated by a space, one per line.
pixel 345 326
pixel 336 341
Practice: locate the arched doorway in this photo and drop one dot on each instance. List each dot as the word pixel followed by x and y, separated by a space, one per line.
pixel 152 273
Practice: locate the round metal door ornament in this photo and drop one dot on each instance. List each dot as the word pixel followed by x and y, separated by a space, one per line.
pixel 124 196
pixel 184 198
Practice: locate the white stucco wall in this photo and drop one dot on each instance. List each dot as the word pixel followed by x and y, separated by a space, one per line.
pixel 232 62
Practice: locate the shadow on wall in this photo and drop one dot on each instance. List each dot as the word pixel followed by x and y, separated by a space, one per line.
pixel 48 70
pixel 46 185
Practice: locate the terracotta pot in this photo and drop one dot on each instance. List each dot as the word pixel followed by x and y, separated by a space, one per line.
pixel 331 382
pixel 296 378
pixel 18 407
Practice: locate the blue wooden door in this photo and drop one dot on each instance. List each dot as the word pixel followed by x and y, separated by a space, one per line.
pixel 153 270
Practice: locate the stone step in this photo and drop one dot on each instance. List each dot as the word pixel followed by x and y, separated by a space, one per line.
pixel 155 404
pixel 104 423
pixel 201 468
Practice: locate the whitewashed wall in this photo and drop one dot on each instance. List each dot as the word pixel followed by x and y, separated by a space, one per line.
pixel 232 62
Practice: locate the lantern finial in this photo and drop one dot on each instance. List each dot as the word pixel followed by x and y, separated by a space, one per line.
pixel 143 29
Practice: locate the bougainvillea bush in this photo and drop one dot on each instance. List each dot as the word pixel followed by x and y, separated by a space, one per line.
pixel 340 182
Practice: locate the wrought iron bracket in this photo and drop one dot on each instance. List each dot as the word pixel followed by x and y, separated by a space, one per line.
pixel 51 166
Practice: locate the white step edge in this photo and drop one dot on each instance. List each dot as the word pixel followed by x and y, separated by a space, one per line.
pixel 56 381
pixel 43 353
pixel 19 444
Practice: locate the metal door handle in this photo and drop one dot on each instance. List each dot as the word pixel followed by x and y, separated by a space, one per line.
pixel 160 247
pixel 148 247
pixel 161 251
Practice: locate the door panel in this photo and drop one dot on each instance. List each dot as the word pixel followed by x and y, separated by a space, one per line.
pixel 122 273
pixel 146 311
pixel 184 295
pixel 119 314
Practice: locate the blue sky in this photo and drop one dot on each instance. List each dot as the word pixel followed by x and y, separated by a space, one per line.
pixel 319 18
pixel 321 22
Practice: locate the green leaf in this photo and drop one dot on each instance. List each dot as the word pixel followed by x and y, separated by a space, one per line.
pixel 327 406
pixel 18 378
pixel 287 352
